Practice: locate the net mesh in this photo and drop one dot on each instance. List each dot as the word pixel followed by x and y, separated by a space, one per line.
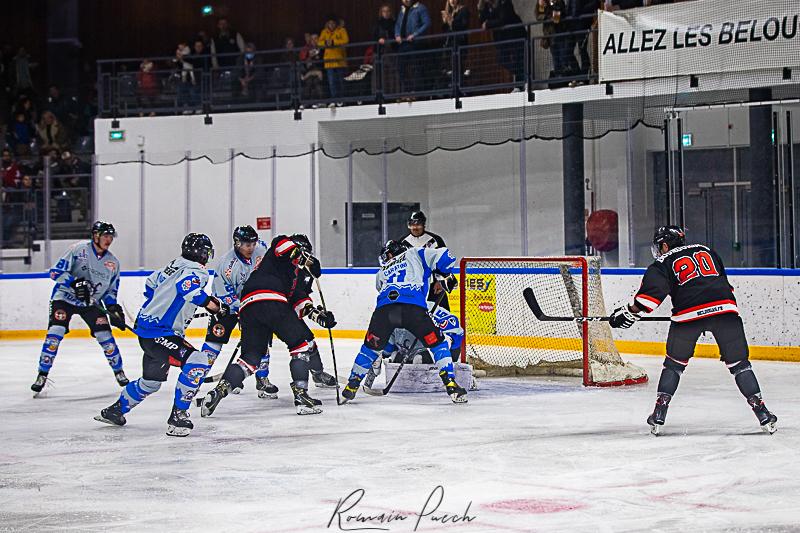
pixel 504 338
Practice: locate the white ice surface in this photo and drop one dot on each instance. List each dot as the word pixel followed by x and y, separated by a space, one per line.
pixel 529 454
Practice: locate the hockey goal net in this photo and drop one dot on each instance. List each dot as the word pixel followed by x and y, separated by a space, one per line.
pixel 503 337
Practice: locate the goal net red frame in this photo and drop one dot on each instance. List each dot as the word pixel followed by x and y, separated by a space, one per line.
pixel 503 337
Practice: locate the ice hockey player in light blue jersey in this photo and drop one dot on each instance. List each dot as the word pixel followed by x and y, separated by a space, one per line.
pixel 403 345
pixel 172 295
pixel 403 282
pixel 232 270
pixel 87 281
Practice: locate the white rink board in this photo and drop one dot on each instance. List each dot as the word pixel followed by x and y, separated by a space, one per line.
pixel 526 454
pixel 770 305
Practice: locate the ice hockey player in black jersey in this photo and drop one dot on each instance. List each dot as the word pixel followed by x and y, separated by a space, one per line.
pixel 266 308
pixel 693 276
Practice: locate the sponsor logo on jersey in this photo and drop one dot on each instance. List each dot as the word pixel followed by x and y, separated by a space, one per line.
pixel 110 265
pixel 60 315
pixel 486 307
pixel 228 272
pixel 709 310
pixel 431 338
pixel 218 330
pixel 393 295
pixel 166 343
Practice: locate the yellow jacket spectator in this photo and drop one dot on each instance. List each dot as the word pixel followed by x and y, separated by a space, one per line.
pixel 332 38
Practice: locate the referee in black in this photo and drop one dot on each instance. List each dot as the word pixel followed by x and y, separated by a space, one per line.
pixel 419 237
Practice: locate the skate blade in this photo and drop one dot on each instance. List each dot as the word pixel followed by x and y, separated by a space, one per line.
pixel 655 429
pixel 373 392
pixel 264 395
pixel 206 411
pixel 236 391
pixel 769 428
pixel 173 431
pixel 39 394
pixel 324 386
pixel 100 418
pixel 458 399
pixel 306 410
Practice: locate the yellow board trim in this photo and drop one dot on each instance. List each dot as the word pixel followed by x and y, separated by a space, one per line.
pixel 765 353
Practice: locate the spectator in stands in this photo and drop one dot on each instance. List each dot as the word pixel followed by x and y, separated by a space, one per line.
pixel 249 74
pixel 383 35
pixel 19 208
pixel 201 63
pixel 147 86
pixel 413 22
pixel 183 77
pixel 383 32
pixel 455 18
pixel 12 174
pixel 25 105
pixel 554 13
pixel 494 15
pixel 310 71
pixel 581 12
pixel 52 134
pixel 332 38
pixel 23 82
pixel 226 41
pixel 20 135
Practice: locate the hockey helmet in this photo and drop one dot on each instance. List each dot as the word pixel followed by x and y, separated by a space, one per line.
pixel 244 234
pixel 417 217
pixel 671 235
pixel 197 247
pixel 391 249
pixel 101 227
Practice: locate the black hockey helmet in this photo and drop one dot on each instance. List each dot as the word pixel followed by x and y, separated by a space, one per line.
pixel 417 217
pixel 244 234
pixel 101 227
pixel 672 236
pixel 197 247
pixel 302 241
pixel 391 249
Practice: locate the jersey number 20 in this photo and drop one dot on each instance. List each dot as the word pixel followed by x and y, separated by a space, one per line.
pixel 699 264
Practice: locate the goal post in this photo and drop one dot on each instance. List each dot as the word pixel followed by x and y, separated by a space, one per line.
pixel 503 337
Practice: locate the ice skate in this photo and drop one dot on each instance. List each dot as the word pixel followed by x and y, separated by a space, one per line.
pixel 211 400
pixel 305 404
pixel 112 415
pixel 266 390
pixel 38 385
pixel 179 424
pixel 350 390
pixel 323 380
pixel 122 379
pixel 765 418
pixel 457 394
pixel 659 414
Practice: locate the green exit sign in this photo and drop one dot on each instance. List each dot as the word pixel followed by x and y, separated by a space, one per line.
pixel 116 135
pixel 686 139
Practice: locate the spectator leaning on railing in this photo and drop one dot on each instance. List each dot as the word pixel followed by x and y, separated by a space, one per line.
pixel 455 18
pixel 333 37
pixel 494 15
pixel 183 76
pixel 311 74
pixel 249 75
pixel 226 41
pixel 146 86
pixel 413 22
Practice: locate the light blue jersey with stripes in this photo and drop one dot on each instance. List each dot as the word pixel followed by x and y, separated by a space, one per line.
pixel 407 277
pixel 172 295
pixel 81 261
pixel 232 271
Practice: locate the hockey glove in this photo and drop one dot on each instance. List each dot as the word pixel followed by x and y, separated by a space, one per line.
pixel 450 283
pixel 83 290
pixel 303 259
pixel 623 318
pixel 223 309
pixel 323 318
pixel 116 316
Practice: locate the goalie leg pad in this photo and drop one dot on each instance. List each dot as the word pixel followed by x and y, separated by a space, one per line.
pixel 106 341
pixel 55 334
pixel 671 375
pixel 193 372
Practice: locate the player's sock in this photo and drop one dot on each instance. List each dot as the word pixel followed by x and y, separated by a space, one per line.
pixel 106 341
pixel 670 376
pixel 443 359
pixel 50 347
pixel 237 372
pixel 191 377
pixel 298 367
pixel 135 392
pixel 742 372
pixel 211 349
pixel 263 367
pixel 364 360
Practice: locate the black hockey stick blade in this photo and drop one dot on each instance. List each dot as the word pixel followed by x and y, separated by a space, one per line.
pixel 530 299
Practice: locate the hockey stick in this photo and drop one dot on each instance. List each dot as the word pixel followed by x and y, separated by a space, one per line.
pixel 388 387
pixel 102 306
pixel 217 377
pixel 330 333
pixel 530 299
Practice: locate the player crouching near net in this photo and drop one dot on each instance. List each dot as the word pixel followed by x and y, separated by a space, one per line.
pixel 87 282
pixel 172 295
pixel 266 308
pixel 702 300
pixel 403 282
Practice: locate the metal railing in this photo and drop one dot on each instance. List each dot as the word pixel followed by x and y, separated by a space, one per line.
pixel 435 66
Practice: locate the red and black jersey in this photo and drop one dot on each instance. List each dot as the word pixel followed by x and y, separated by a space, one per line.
pixel 276 277
pixel 694 277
